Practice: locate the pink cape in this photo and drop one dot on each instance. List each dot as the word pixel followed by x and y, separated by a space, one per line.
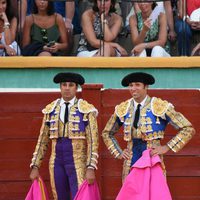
pixel 88 192
pixel 37 191
pixel 146 181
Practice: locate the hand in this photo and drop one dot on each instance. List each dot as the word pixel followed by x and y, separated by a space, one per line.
pixel 126 154
pixel 102 17
pixel 195 25
pixel 90 176
pixel 34 174
pixel 54 48
pixel 137 50
pixel 51 49
pixel 159 150
pixel 3 17
pixel 147 24
pixel 120 49
pixel 172 35
pixel 10 51
pixel 68 24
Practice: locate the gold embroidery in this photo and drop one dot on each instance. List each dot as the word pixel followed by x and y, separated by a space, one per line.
pixel 143 112
pixel 79 155
pixel 74 118
pixel 51 169
pixel 142 120
pixel 122 109
pixel 158 106
pixel 77 135
pixel 85 117
pixel 49 108
pixel 143 129
pixel 154 135
pixel 148 120
pixel 149 128
pixel 85 107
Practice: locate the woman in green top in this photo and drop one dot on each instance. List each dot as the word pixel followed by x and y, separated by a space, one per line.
pixel 44 32
pixel 149 32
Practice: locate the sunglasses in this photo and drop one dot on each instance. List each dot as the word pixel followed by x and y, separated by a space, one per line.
pixel 44 35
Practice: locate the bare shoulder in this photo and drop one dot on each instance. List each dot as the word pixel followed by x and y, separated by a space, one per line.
pixel 29 20
pixel 116 17
pixel 133 19
pixel 88 13
pixel 162 16
pixel 59 18
pixel 87 16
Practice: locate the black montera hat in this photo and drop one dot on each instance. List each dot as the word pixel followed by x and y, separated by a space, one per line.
pixel 142 77
pixel 69 77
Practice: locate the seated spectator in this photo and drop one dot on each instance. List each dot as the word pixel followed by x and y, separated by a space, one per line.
pixel 164 7
pixel 101 27
pixel 196 50
pixel 64 8
pixel 187 26
pixel 149 32
pixel 44 32
pixel 8 29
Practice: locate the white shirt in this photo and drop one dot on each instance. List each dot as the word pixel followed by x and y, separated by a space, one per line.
pixel 141 103
pixel 63 105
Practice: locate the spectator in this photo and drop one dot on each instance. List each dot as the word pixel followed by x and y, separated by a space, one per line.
pixel 149 32
pixel 44 32
pixel 101 25
pixel 186 26
pixel 66 9
pixel 164 7
pixel 170 20
pixel 8 29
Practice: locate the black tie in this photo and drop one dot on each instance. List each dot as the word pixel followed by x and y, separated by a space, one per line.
pixel 137 115
pixel 66 112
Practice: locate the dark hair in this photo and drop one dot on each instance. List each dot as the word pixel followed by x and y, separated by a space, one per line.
pixel 9 10
pixel 50 8
pixel 154 5
pixel 112 7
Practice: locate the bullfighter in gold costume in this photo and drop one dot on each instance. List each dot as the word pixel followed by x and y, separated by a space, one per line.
pixel 71 125
pixel 144 120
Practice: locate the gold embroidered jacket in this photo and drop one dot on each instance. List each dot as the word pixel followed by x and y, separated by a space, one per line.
pixel 82 125
pixel 154 117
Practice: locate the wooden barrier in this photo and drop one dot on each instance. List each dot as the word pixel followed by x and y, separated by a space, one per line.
pixel 20 120
pixel 99 62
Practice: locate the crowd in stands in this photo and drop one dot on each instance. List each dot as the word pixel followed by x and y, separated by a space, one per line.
pixel 48 28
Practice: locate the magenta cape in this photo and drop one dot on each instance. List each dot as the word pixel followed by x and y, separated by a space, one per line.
pixel 37 191
pixel 88 192
pixel 146 181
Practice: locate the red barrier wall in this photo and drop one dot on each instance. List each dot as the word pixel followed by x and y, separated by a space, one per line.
pixel 20 120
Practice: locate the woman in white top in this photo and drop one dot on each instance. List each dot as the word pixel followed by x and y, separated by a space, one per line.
pixel 149 32
pixel 8 29
pixel 101 26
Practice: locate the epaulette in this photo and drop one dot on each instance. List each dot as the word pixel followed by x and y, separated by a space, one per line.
pixel 159 107
pixel 122 109
pixel 85 107
pixel 50 107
